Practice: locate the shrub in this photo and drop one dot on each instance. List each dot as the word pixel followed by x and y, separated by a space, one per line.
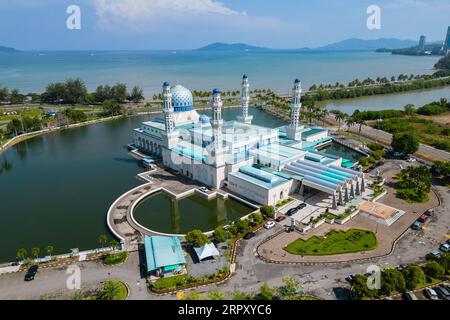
pixel 267 211
pixel 375 146
pixel 115 258
pixel 220 234
pixel 434 270
pixel 197 238
pixel 414 276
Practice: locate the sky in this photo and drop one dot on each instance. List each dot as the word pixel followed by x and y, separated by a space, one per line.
pixel 189 24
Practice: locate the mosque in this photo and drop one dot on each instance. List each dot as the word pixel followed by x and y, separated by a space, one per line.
pixel 264 165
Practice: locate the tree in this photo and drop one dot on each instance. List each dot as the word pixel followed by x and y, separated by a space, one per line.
pixel 114 244
pixel 112 108
pixel 410 109
pixel 197 238
pixel 4 94
pixel 238 295
pixel 22 254
pixel 241 225
pixel 339 116
pixel 35 252
pixel 392 280
pixel 220 234
pixel 414 183
pixel 75 91
pixel 16 97
pixel 290 288
pixel 110 290
pixel 434 270
pixel 360 290
pixel 414 276
pixel 119 92
pixel 136 95
pixel 102 240
pixel 265 292
pixel 49 250
pixel 75 115
pixel 405 143
pixel 267 211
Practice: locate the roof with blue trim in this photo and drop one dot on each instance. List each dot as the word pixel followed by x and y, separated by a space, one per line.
pixel 163 252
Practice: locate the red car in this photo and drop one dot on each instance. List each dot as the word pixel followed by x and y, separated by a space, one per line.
pixel 423 218
pixel 280 218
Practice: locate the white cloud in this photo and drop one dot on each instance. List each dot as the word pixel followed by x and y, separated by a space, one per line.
pixel 141 11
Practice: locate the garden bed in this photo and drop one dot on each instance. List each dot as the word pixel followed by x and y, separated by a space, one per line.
pixel 334 242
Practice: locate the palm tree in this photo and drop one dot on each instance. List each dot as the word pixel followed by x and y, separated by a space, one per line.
pixel 102 239
pixel 349 121
pixel 323 114
pixel 110 291
pixel 22 253
pixel 339 116
pixel 361 122
pixel 114 244
pixel 35 252
pixel 49 250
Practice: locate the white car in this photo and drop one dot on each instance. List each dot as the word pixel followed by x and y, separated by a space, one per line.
pixel 269 224
pixel 431 294
pixel 411 159
pixel 445 247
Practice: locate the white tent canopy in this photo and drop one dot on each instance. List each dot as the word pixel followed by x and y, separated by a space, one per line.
pixel 208 250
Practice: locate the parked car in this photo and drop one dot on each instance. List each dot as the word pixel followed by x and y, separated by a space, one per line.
pixel 301 206
pixel 351 278
pixel 31 273
pixel 290 229
pixel 430 294
pixel 445 247
pixel 280 218
pixel 435 253
pixel 417 225
pixel 429 212
pixel 442 292
pixel 397 154
pixel 269 224
pixel 291 211
pixel 249 235
pixel 411 159
pixel 409 295
pixel 402 266
pixel 423 218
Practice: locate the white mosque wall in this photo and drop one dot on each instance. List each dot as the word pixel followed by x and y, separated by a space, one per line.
pixel 259 194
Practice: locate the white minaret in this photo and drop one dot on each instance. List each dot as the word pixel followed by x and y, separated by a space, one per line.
pixel 168 108
pixel 218 151
pixel 245 99
pixel 217 119
pixel 294 130
pixel 170 134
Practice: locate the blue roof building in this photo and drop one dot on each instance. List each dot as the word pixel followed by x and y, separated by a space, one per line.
pixel 163 254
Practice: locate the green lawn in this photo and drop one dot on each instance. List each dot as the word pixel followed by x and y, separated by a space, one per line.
pixel 334 242
pixel 115 258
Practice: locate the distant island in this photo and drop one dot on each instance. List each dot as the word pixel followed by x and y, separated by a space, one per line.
pixel 352 44
pixel 429 49
pixel 7 49
pixel 220 46
pixel 355 44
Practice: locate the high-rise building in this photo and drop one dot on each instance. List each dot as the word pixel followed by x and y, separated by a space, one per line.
pixel 422 43
pixel 447 39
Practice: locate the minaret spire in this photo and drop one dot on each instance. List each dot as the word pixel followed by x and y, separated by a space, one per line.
pixel 245 99
pixel 168 108
pixel 217 119
pixel 294 130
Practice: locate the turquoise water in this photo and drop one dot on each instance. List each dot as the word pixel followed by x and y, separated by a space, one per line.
pixel 32 71
pixel 61 185
pixel 182 216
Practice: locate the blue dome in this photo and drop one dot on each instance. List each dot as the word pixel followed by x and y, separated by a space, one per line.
pixel 245 76
pixel 216 91
pixel 182 99
pixel 297 81
pixel 166 84
pixel 203 118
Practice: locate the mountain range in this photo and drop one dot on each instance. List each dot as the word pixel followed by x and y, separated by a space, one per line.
pixel 352 44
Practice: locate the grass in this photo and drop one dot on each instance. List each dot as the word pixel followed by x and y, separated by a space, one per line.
pixel 112 259
pixel 170 282
pixel 334 242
